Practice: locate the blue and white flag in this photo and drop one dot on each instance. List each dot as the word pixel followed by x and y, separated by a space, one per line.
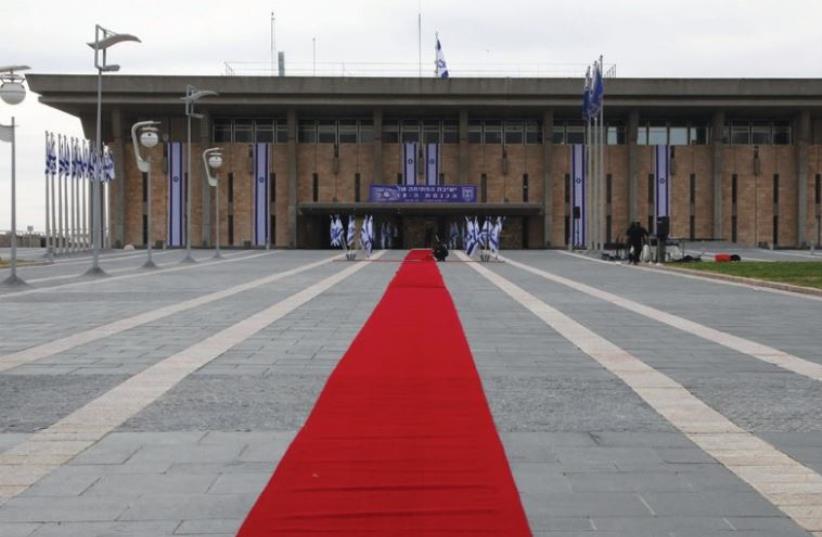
pixel 409 157
pixel 75 159
pixel 494 237
pixel 367 234
pixel 176 195
pixel 597 90
pixel 432 164
pixel 336 232
pixel 63 161
pixel 442 67
pixel 352 231
pixel 578 195
pixel 91 164
pixel 485 233
pixel 262 159
pixel 453 235
pixel 662 173
pixel 586 96
pixel 51 154
pixel 471 236
pixel 108 165
pixel 85 160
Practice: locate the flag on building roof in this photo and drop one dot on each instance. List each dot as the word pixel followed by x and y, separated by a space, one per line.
pixel 597 89
pixel 586 96
pixel 442 67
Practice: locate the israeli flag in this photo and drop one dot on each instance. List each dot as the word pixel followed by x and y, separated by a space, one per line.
pixel 409 154
pixel 85 160
pixel 352 231
pixel 75 159
pixel 471 236
pixel 64 156
pixel 494 237
pixel 662 173
pixel 432 164
pixel 92 164
pixel 578 195
pixel 442 67
pixel 51 154
pixel 367 234
pixel 597 90
pixel 485 234
pixel 108 165
pixel 586 95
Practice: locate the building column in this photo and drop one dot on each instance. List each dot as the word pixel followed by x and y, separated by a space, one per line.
pixel 547 176
pixel 291 116
pixel 378 171
pixel 803 141
pixel 462 176
pixel 717 126
pixel 117 218
pixel 205 138
pixel 633 166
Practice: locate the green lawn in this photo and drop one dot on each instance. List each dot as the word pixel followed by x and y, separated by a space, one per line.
pixel 805 273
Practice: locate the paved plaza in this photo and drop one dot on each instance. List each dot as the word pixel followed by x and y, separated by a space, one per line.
pixel 630 402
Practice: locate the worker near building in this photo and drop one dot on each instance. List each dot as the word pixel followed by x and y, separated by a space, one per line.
pixel 637 235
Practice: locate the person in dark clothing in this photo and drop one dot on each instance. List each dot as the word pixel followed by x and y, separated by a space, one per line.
pixel 637 235
pixel 440 250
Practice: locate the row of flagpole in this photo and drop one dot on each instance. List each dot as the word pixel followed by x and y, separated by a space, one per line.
pixel 593 112
pixel 71 165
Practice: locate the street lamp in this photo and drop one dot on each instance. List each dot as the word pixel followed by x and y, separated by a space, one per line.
pixel 192 95
pixel 103 39
pixel 146 132
pixel 213 159
pixel 12 92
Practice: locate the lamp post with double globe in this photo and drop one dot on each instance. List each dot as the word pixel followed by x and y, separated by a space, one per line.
pixel 147 134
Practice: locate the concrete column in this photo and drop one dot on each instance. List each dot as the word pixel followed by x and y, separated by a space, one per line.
pixel 462 176
pixel 378 173
pixel 292 178
pixel 633 166
pixel 717 127
pixel 547 176
pixel 118 204
pixel 205 139
pixel 803 141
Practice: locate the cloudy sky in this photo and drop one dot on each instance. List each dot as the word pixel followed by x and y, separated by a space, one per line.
pixel 644 38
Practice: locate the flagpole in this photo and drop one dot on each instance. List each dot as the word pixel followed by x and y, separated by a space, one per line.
pixel 602 145
pixel 48 225
pixel 419 35
pixel 53 204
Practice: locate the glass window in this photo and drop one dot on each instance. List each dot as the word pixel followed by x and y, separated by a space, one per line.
pixel 740 133
pixel 558 134
pixel 493 132
pixel 474 131
pixel 431 132
pixel 348 131
pixel 533 132
pixel 410 130
pixel 282 132
pixel 390 132
pixel 642 135
pixel 698 135
pixel 678 136
pixel 781 134
pixel 657 135
pixel 616 135
pixel 222 131
pixel 514 132
pixel 264 131
pixel 761 133
pixel 327 131
pixel 307 132
pixel 450 131
pixel 366 131
pixel 574 134
pixel 243 131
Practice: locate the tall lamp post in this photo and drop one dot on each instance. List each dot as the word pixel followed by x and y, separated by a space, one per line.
pixel 192 96
pixel 212 160
pixel 103 39
pixel 146 132
pixel 12 92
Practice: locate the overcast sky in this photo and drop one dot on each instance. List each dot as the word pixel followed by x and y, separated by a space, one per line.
pixel 644 38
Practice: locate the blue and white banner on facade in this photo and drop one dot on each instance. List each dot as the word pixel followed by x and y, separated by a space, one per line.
pixel 662 171
pixel 176 194
pixel 422 194
pixel 578 195
pixel 432 164
pixel 409 158
pixel 262 160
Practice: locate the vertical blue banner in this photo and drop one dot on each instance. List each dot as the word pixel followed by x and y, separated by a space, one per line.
pixel 662 173
pixel 409 158
pixel 432 164
pixel 578 173
pixel 176 195
pixel 262 158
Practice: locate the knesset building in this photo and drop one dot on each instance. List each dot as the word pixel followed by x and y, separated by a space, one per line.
pixel 746 154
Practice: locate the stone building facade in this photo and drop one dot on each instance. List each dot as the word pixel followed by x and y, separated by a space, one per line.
pixel 746 154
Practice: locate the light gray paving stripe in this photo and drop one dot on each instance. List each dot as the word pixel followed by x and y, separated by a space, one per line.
pixel 795 489
pixel 34 458
pixel 51 348
pixel 93 281
pixel 682 274
pixel 756 350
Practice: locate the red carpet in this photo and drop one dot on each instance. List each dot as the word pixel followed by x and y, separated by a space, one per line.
pixel 401 440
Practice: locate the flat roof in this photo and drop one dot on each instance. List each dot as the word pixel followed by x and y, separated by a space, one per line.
pixel 77 94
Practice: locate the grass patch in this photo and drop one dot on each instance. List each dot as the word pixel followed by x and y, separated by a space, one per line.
pixel 804 273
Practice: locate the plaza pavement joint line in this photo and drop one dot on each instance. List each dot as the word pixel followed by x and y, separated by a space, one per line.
pixel 44 451
pixel 51 348
pixel 792 487
pixel 756 350
pixel 132 276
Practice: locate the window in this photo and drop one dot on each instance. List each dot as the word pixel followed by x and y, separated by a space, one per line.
pixel 348 131
pixel 231 230
pixel 616 135
pixel 574 134
pixel 145 229
pixel 442 179
pixel 492 132
pixel 678 136
pixel 145 188
pixel 692 227
pixel 390 132
pixel 357 187
pixel 642 135
pixel 818 189
pixel 273 230
pixel 326 132
pixel 775 189
pixel 483 188
pixel 272 179
pixel 733 228
pixel 243 131
pixel 533 132
pixel 733 189
pixel 222 131
pixel 399 178
pixel 513 132
pixel 775 230
pixel 307 132
pixel 567 188
pixel 431 132
pixel 657 135
pixel 761 133
pixel 410 130
pixel 474 131
pixel 315 187
pixel 230 187
pixel 740 133
pixel 264 131
pixel 782 134
pixel 651 189
pixel 692 188
pixel 525 188
pixel 698 135
pixel 282 133
pixel 558 134
pixel 366 131
pixel 608 228
pixel 450 132
pixel 608 188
